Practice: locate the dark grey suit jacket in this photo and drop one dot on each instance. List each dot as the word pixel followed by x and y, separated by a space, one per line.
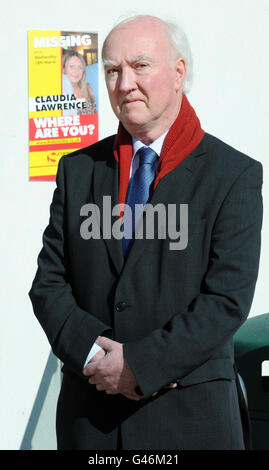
pixel 175 311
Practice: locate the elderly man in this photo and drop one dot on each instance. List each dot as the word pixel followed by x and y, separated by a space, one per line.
pixel 145 326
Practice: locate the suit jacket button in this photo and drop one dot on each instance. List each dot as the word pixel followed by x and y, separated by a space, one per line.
pixel 120 306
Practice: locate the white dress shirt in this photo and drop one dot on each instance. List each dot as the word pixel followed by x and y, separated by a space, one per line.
pixel 137 144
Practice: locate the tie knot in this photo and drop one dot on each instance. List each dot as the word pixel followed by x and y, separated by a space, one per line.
pixel 147 156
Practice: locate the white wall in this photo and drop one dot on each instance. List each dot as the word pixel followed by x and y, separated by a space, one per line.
pixel 229 39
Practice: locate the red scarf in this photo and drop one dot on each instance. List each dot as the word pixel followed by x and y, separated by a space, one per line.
pixel 184 135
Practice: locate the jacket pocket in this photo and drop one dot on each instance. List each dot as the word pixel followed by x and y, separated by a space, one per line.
pixel 214 369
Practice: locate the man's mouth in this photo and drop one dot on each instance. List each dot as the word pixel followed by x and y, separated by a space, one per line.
pixel 130 101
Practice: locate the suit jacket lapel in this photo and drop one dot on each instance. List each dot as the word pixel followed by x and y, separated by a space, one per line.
pixel 105 194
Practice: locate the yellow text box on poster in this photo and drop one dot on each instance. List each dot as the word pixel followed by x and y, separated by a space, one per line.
pixel 46 162
pixel 45 67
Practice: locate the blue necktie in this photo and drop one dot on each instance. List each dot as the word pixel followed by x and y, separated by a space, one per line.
pixel 139 191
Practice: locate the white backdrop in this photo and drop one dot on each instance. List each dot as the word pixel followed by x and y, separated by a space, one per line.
pixel 229 40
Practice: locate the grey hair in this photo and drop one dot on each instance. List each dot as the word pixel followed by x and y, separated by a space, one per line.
pixel 181 48
pixel 179 44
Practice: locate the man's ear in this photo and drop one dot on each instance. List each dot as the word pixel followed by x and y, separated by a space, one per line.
pixel 180 67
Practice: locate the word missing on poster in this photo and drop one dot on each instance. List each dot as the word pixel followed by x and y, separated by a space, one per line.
pixel 62 41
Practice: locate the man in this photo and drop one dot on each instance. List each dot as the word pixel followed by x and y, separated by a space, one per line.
pixel 145 328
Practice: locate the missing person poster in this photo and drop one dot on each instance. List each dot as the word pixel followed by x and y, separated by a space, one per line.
pixel 63 97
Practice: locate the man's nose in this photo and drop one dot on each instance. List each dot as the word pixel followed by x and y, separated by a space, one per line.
pixel 127 80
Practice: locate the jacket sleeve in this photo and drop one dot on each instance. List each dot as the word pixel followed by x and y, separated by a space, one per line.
pixel 192 337
pixel 71 330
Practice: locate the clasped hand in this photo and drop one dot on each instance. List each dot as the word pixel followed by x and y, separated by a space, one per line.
pixel 110 372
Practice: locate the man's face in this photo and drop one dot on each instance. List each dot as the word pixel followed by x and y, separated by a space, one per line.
pixel 144 82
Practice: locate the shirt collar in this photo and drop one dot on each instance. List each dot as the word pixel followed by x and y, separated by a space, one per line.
pixel 156 145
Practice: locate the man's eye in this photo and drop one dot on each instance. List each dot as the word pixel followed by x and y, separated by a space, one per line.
pixel 140 65
pixel 112 71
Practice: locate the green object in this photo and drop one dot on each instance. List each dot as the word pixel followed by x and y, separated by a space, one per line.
pixel 251 343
